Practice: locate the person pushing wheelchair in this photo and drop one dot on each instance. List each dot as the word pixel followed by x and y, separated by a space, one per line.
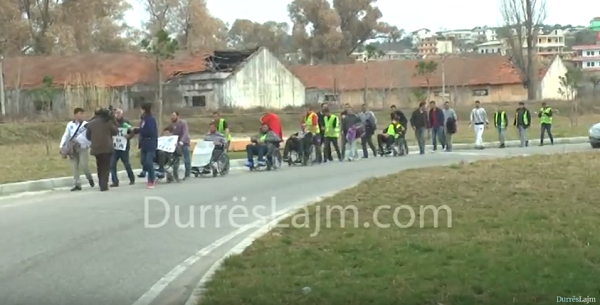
pixel 389 136
pixel 261 145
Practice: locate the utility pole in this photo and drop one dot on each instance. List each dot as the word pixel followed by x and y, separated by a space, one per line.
pixel 2 88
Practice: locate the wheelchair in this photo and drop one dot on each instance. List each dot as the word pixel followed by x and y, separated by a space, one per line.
pixel 299 157
pixel 209 160
pixel 273 158
pixel 163 164
pixel 398 148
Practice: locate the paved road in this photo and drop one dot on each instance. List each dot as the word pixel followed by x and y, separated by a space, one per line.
pixel 64 248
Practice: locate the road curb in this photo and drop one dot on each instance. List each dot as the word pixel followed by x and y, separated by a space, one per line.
pixel 63 182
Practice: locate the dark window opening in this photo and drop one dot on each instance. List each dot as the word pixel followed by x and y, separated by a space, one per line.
pixel 199 101
pixel 331 98
pixel 42 106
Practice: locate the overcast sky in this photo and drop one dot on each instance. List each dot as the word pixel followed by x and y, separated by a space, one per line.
pixel 408 15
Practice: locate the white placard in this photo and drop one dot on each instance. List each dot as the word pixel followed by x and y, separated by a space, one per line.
pixel 202 153
pixel 120 140
pixel 167 143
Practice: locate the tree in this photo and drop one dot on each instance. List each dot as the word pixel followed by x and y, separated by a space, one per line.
pixel 595 81
pixel 373 51
pixel 336 30
pixel 43 101
pixel 426 69
pixel 246 34
pixel 195 27
pixel 161 46
pixel 522 19
pixel 569 87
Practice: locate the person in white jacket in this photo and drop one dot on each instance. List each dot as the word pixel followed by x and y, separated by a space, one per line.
pixel 75 130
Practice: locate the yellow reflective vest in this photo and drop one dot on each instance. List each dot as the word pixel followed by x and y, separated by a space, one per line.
pixel 332 126
pixel 309 123
pixel 222 130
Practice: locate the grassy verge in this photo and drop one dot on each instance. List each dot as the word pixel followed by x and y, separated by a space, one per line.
pixel 26 153
pixel 523 231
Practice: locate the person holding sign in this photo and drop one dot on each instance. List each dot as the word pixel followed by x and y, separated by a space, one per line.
pixel 121 149
pixel 148 132
pixel 179 128
pixel 222 127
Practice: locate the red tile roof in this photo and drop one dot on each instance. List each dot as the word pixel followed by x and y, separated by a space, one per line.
pixel 101 69
pixel 459 71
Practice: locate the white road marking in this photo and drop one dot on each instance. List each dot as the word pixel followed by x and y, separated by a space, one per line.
pixel 158 288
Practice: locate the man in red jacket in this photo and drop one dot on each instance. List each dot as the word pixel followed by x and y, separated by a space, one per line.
pixel 272 120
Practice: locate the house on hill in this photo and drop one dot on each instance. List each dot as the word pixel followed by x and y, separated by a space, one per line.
pixel 486 78
pixel 58 84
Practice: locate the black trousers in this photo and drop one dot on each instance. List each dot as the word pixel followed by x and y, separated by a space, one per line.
pixel 367 138
pixel 328 141
pixel 103 169
pixel 384 142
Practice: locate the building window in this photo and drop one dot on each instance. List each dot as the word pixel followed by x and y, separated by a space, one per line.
pixel 199 101
pixel 138 101
pixel 330 98
pixel 42 106
pixel 480 92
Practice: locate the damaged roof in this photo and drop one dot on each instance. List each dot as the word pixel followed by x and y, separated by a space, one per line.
pixel 113 70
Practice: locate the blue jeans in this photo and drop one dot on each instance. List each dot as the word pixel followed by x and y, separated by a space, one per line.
pixel 185 152
pixel 122 155
pixel 147 158
pixel 437 133
pixel 259 150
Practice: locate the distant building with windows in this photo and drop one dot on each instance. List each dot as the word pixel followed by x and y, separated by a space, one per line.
pixel 587 58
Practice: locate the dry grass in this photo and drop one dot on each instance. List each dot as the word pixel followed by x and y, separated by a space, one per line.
pixel 29 150
pixel 523 235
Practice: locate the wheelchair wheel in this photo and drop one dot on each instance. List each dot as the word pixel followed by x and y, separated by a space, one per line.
pixel 311 157
pixel 292 157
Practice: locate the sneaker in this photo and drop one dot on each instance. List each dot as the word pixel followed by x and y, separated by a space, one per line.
pixel 91 181
pixel 262 163
pixel 132 182
pixel 142 175
pixel 151 185
pixel 249 164
pixel 76 188
pixel 114 185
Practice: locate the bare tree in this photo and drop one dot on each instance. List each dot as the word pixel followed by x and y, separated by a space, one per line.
pixel 522 19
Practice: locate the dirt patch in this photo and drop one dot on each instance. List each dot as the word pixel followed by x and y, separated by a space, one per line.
pixel 523 231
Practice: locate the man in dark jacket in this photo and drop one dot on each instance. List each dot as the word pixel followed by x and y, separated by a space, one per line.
pixel 522 122
pixel 419 120
pixel 436 120
pixel 398 115
pixel 121 145
pixel 100 132
pixel 148 132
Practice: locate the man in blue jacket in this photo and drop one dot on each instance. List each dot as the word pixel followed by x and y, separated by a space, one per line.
pixel 436 119
pixel 148 132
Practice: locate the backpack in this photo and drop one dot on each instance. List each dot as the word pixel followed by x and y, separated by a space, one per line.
pixel 72 147
pixel 451 125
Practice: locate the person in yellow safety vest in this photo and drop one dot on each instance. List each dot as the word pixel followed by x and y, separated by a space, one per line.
pixel 522 122
pixel 311 119
pixel 331 134
pixel 392 132
pixel 545 116
pixel 222 127
pixel 501 122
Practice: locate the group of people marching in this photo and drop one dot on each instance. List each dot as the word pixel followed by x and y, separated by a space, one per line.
pixel 107 137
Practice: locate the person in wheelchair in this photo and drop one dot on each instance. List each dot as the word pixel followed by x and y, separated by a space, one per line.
pixel 298 143
pixel 261 146
pixel 389 137
pixel 219 140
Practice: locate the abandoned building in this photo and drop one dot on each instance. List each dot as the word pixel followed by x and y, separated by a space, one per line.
pixel 57 84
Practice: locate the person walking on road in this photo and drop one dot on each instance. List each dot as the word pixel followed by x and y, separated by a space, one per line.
pixel 450 124
pixel 75 146
pixel 419 120
pixel 331 134
pixel 545 116
pixel 478 120
pixel 436 119
pixel 500 123
pixel 148 132
pixel 369 122
pixel 350 121
pixel 321 122
pixel 179 128
pixel 100 131
pixel 121 146
pixel 522 122
pixel 222 127
pixel 311 119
